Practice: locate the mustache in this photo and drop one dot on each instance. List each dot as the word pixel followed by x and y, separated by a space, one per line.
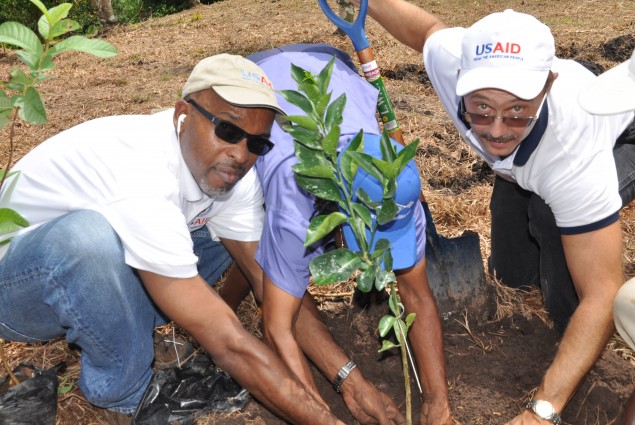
pixel 501 139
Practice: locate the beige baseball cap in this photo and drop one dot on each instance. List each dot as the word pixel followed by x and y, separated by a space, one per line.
pixel 237 80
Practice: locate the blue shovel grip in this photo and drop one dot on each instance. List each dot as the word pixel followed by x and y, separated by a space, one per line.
pixel 354 30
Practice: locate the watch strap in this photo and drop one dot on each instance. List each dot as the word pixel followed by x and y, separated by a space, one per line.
pixel 343 374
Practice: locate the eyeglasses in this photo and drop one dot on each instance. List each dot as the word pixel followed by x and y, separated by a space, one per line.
pixel 231 133
pixel 511 121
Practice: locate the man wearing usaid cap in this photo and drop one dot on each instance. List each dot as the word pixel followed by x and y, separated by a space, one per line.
pixel 130 218
pixel 613 92
pixel 562 173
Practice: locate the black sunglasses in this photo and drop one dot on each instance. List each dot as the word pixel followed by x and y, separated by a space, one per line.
pixel 231 133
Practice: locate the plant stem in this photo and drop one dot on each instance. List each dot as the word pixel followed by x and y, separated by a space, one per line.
pixel 406 382
pixel 11 135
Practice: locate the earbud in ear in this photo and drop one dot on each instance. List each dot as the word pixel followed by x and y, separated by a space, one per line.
pixel 179 122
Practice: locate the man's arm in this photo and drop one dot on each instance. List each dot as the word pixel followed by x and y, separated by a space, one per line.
pixel 595 263
pixel 408 23
pixel 198 309
pixel 426 339
pixel 300 324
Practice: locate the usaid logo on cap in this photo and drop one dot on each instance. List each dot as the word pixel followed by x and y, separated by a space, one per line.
pixel 255 77
pixel 497 50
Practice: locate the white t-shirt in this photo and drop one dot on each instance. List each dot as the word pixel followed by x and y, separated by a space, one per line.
pixel 567 159
pixel 130 169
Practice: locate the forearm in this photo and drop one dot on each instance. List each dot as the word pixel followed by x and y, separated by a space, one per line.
pixel 194 306
pixel 407 22
pixel 586 336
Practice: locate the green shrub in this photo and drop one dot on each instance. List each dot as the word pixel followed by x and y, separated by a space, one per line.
pixel 27 14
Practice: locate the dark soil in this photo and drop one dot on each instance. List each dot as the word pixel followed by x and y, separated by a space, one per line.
pixel 492 368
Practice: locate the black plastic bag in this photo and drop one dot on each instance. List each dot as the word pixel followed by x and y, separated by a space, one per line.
pixel 34 400
pixel 179 396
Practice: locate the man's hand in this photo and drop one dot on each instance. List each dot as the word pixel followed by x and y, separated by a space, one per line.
pixel 367 404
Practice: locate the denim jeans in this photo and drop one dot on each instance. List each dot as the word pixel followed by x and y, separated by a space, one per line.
pixel 526 248
pixel 68 277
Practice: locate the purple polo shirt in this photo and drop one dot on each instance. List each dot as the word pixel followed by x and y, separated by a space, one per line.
pixel 281 252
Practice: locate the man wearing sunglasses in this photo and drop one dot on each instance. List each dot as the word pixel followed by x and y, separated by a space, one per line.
pixel 562 174
pixel 130 218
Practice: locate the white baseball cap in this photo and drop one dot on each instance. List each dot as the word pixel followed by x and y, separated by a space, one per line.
pixel 237 80
pixel 611 92
pixel 508 50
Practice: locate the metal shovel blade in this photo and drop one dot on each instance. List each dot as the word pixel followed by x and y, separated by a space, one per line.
pixel 456 274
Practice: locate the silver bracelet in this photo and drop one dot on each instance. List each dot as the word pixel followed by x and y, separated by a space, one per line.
pixel 343 374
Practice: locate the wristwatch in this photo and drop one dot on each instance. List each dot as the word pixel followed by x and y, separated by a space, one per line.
pixel 343 374
pixel 544 410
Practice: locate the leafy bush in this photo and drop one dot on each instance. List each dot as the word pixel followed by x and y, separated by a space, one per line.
pixel 28 14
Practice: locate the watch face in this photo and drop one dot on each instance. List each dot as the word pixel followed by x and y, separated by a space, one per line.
pixel 544 409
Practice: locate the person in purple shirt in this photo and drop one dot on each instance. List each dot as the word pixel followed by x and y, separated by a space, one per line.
pixel 292 326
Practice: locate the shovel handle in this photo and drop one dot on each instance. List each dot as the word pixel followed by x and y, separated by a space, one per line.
pixel 386 112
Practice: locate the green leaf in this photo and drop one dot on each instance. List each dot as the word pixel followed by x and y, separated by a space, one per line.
pixel 359 230
pixel 399 327
pixel 334 112
pixel 363 196
pixel 386 148
pixel 40 6
pixel 334 266
pixel 324 77
pixel 322 188
pixel 305 80
pixel 62 27
pixel 410 318
pixel 20 78
pixel 10 221
pixel 33 111
pixel 387 345
pixel 310 157
pixel 331 140
pixel 322 104
pixel 303 121
pixel 363 212
pixel 384 277
pixel 385 325
pixel 388 211
pixel 297 99
pixel 405 155
pixel 366 279
pixel 18 35
pixel 63 389
pixel 348 167
pixel 321 171
pixel 395 305
pixel 366 162
pixel 95 47
pixel 57 13
pixel 29 59
pixel 309 138
pixel 387 259
pixel 322 225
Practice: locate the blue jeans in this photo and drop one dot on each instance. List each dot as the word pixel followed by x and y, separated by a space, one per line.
pixel 526 248
pixel 68 277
